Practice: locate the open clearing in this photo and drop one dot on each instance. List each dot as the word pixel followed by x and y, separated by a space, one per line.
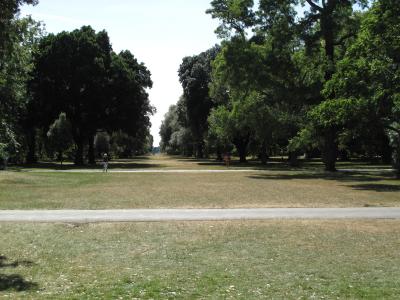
pixel 270 186
pixel 249 259
pixel 230 259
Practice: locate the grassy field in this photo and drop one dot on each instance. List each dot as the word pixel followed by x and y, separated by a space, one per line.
pixel 166 162
pixel 273 187
pixel 280 259
pixel 238 260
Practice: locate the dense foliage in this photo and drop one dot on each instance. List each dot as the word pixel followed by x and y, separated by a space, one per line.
pixel 289 83
pixel 74 73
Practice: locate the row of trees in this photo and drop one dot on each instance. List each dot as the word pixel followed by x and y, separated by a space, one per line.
pixel 326 83
pixel 74 78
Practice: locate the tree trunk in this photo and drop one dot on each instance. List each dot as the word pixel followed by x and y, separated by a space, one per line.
pixel 344 155
pixel 330 150
pixel 60 157
pixel 292 158
pixel 330 147
pixel 91 156
pixel 386 152
pixel 219 154
pixel 199 150
pixel 79 152
pixel 263 153
pixel 31 138
pixel 241 147
pixel 242 154
pixel 397 158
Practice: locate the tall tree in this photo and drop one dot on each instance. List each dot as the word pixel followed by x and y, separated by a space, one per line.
pixel 59 136
pixel 268 73
pixel 70 75
pixel 195 77
pixel 326 22
pixel 128 108
pixel 367 83
pixel 15 71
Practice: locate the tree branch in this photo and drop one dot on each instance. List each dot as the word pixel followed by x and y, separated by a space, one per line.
pixel 313 5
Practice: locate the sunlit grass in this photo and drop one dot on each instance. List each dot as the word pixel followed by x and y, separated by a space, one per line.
pixel 273 187
pixel 239 260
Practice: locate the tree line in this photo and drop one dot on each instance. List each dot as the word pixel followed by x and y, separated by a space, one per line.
pixel 324 83
pixel 68 93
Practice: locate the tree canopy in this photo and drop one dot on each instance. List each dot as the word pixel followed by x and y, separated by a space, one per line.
pixel 311 83
pixel 77 73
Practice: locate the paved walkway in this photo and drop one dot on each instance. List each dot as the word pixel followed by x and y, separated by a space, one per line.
pixel 122 215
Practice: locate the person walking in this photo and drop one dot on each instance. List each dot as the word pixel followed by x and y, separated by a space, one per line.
pixel 105 162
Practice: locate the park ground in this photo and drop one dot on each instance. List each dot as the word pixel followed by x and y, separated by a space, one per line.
pixel 280 259
pixel 50 186
pixel 195 260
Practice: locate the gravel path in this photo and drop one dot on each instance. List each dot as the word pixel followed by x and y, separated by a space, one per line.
pixel 122 215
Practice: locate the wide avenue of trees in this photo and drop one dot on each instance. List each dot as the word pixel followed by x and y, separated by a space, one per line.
pixel 323 83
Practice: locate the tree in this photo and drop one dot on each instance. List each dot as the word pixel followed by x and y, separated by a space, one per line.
pixel 268 74
pixel 195 77
pixel 231 125
pixel 70 75
pixel 367 83
pixel 128 108
pixel 15 68
pixel 8 10
pixel 17 38
pixel 330 24
pixel 59 136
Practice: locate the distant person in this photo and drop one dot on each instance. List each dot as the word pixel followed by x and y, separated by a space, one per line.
pixel 105 162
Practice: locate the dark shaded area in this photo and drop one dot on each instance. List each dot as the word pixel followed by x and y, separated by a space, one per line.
pixel 338 176
pixel 281 163
pixel 15 281
pixel 14 264
pixel 377 187
pixel 273 164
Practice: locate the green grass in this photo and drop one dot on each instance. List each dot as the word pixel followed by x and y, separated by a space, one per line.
pixel 273 187
pixel 180 162
pixel 189 260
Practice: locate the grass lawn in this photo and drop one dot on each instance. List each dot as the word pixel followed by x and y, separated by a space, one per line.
pixel 167 162
pixel 238 260
pixel 273 187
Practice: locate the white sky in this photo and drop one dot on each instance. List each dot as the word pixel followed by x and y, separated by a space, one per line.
pixel 158 32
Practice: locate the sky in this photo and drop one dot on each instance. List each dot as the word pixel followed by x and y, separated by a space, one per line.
pixel 158 32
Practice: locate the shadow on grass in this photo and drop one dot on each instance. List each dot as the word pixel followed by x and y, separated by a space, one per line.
pixel 338 176
pixel 273 164
pixel 15 281
pixel 278 163
pixel 377 187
